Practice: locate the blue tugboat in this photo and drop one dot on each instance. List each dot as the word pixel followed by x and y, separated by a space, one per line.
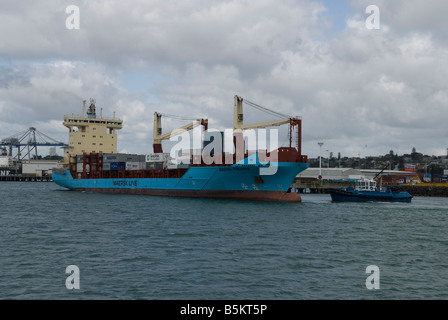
pixel 367 190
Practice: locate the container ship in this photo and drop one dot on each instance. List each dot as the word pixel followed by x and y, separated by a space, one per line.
pixel 91 162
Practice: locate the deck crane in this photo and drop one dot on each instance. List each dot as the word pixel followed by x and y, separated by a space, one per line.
pixel 294 122
pixel 158 137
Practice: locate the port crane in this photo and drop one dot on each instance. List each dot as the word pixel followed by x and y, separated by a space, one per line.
pixel 239 126
pixel 158 137
pixel 27 141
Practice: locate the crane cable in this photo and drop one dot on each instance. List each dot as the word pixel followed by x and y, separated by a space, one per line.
pixel 264 109
pixel 177 117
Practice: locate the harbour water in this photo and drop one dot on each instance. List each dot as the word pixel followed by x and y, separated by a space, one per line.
pixel 157 248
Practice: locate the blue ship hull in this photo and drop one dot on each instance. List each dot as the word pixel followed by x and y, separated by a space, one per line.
pixel 220 182
pixel 363 196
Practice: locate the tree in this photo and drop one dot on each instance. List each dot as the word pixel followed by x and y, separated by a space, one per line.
pixel 416 156
pixel 401 164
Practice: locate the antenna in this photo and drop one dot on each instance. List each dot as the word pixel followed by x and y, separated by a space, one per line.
pixel 91 113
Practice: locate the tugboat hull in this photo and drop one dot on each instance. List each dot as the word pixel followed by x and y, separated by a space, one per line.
pixel 364 196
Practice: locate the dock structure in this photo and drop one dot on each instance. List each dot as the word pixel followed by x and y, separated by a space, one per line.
pixel 26 178
pixel 335 178
pixel 29 170
pixel 319 186
pixel 332 178
pixel 425 190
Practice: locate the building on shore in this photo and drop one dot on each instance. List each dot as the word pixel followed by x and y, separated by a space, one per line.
pixel 39 168
pixel 316 180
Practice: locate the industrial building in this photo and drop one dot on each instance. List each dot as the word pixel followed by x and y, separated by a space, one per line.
pixel 321 179
pixel 39 168
pixel 350 174
pixel 336 174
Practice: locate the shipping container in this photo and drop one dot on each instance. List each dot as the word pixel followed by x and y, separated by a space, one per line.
pixel 79 167
pixel 157 157
pixel 121 157
pixel 80 158
pixel 115 166
pixel 89 167
pixel 135 165
pixel 154 165
pixel 106 166
pixel 7 161
pixel 131 158
pixel 171 166
pixel 174 165
pixel 109 158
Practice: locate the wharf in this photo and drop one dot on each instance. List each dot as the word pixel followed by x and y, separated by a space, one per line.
pixel 425 190
pixel 26 178
pixel 319 186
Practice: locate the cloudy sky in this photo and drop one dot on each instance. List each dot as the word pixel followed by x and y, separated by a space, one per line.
pixel 361 91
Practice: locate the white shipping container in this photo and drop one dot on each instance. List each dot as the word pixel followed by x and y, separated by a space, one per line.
pixel 5 162
pixel 39 166
pixel 135 165
pixel 157 157
pixel 182 160
pixel 171 166
pixel 79 167
pixel 154 157
pixel 355 177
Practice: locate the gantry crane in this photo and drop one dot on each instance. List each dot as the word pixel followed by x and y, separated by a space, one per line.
pixel 158 137
pixel 27 141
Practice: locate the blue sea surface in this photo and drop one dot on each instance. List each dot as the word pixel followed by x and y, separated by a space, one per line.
pixel 159 248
